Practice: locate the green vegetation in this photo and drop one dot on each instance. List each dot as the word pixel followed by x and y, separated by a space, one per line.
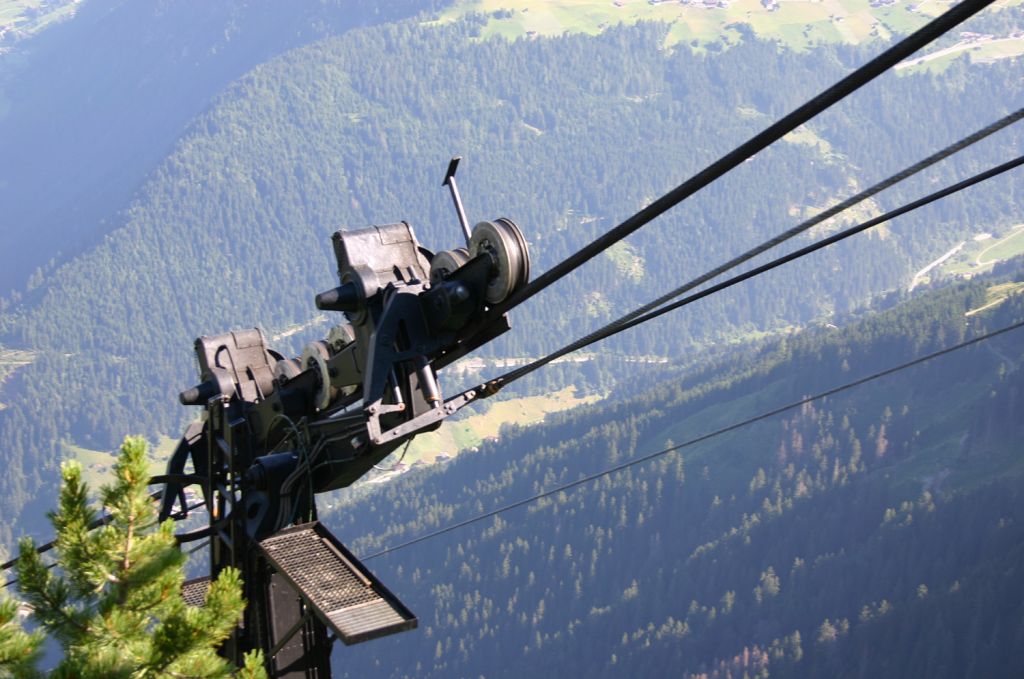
pixel 805 136
pixel 627 262
pixel 879 529
pixel 984 250
pixel 997 294
pixel 10 361
pixel 976 51
pixel 456 436
pixel 90 109
pixel 97 465
pixel 28 17
pixel 19 650
pixel 798 24
pixel 1005 248
pixel 232 229
pixel 865 531
pixel 114 600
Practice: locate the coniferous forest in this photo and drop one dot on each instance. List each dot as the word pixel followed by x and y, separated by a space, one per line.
pixel 873 533
pixel 232 228
pixel 192 168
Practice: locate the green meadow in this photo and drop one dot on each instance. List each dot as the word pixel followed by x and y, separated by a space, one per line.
pixel 798 24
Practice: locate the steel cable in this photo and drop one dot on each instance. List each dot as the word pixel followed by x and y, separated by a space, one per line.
pixel 634 319
pixel 624 322
pixel 750 148
pixel 699 439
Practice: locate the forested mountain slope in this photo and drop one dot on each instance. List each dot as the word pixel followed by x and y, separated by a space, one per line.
pixel 567 136
pixel 876 533
pixel 93 104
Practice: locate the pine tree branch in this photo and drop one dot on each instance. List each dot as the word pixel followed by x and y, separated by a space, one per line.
pixel 126 562
pixel 54 608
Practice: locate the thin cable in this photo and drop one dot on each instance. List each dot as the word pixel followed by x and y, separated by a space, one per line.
pixel 784 236
pixel 96 523
pixel 198 547
pixel 51 544
pixel 14 581
pixel 704 437
pixel 748 149
pixel 751 147
pixel 635 319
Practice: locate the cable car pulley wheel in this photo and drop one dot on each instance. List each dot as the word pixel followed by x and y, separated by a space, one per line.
pixel 447 261
pixel 506 245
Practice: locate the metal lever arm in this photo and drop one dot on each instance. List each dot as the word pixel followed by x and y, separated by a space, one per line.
pixel 425 420
pixel 449 181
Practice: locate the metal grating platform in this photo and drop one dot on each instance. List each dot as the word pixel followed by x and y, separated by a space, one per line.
pixel 342 592
pixel 194 591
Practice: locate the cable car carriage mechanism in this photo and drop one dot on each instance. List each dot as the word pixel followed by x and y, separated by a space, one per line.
pixel 276 431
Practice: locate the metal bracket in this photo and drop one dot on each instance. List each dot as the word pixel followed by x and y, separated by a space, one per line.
pixel 421 422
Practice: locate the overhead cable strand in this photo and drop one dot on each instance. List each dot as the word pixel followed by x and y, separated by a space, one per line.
pixel 50 566
pixel 104 520
pixel 700 439
pixel 863 75
pixel 98 522
pixel 14 581
pixel 610 328
pixel 198 547
pixel 635 319
pixel 835 238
